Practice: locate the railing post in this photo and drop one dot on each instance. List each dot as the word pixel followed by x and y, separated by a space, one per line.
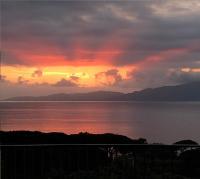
pixel 24 158
pixel 15 163
pixel 0 162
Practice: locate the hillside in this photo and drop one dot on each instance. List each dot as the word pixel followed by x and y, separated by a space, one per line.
pixel 183 92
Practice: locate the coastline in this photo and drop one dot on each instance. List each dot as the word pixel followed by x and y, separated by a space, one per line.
pixel 101 156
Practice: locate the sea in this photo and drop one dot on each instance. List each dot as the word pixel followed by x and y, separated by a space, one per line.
pixel 158 122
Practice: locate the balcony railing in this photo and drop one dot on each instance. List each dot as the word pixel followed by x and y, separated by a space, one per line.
pixel 112 161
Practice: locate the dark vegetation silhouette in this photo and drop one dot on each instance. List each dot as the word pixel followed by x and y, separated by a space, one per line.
pixel 186 142
pixel 35 137
pixel 28 154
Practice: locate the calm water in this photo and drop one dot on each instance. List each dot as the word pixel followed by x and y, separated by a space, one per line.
pixel 157 122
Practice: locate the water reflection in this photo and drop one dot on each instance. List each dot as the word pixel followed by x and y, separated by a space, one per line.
pixel 166 122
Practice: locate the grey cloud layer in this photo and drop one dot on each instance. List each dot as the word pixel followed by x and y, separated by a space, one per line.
pixel 37 73
pixel 112 77
pixel 139 29
pixel 65 83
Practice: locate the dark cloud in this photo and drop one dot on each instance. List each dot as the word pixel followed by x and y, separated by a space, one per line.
pixel 84 29
pixel 37 73
pixel 3 78
pixel 9 58
pixel 115 33
pixel 110 77
pixel 148 77
pixel 160 75
pixel 22 81
pixel 184 77
pixel 74 78
pixel 65 83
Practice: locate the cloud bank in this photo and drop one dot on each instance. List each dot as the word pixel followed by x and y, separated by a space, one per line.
pixel 154 37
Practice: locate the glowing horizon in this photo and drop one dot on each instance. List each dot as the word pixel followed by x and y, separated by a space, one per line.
pixel 98 45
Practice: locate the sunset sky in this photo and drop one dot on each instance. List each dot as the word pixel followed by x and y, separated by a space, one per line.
pixel 79 46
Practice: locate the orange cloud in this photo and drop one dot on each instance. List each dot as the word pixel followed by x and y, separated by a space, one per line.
pixel 37 73
pixel 84 76
pixel 65 83
pixel 110 77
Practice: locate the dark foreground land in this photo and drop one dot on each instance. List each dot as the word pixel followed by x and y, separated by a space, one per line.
pixel 36 155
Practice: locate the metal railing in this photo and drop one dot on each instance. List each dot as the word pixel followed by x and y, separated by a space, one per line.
pixel 85 161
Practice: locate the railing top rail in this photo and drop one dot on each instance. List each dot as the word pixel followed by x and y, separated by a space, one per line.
pixel 51 145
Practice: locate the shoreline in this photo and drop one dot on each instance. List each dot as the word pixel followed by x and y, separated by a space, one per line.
pixel 24 137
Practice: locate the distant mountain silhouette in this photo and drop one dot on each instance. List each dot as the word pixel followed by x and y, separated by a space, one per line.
pixel 91 96
pixel 183 92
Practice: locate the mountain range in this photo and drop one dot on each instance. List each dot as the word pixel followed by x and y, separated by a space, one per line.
pixel 183 92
